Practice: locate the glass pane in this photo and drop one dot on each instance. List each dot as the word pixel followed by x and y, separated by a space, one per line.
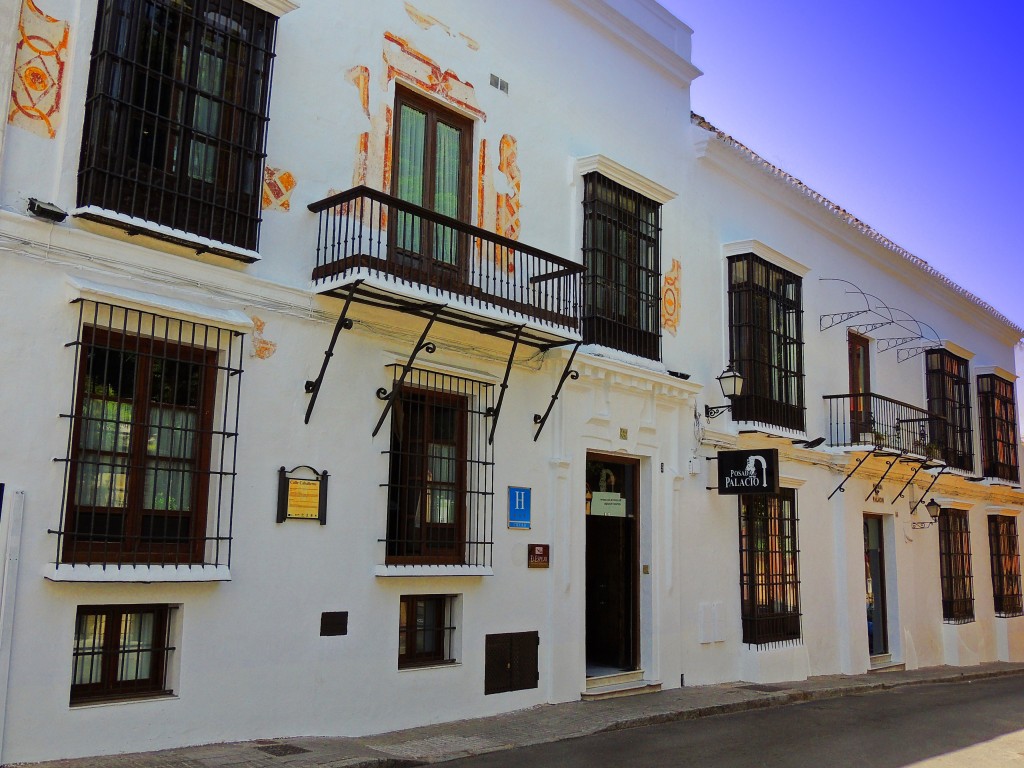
pixel 102 481
pixel 88 655
pixel 106 425
pixel 135 655
pixel 171 433
pixel 426 625
pixel 441 463
pixel 168 486
pixel 446 190
pixel 411 154
pixel 442 506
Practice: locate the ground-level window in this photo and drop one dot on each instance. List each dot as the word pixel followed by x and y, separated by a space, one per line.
pixel 769 579
pixel 955 567
pixel 152 440
pixel 425 628
pixel 1004 550
pixel 121 651
pixel 440 492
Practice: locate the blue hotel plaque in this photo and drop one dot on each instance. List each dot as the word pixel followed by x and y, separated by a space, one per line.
pixel 518 507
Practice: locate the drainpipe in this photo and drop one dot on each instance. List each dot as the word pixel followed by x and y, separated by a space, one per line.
pixel 10 525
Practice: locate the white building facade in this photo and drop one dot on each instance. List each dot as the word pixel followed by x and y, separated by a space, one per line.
pixel 359 373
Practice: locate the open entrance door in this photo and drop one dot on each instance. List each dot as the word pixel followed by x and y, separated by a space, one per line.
pixel 613 495
pixel 874 586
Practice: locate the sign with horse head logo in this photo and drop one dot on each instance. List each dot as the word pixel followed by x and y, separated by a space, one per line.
pixel 748 472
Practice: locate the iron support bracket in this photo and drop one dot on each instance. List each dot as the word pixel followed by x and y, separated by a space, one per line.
pixel 568 373
pixel 926 490
pixel 839 488
pixel 874 489
pixel 344 323
pixel 421 345
pixel 495 412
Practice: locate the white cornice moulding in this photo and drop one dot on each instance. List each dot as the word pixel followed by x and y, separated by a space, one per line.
pixel 277 7
pixel 996 509
pixel 995 369
pixel 624 176
pixel 947 502
pixel 179 308
pixel 767 253
pixel 643 44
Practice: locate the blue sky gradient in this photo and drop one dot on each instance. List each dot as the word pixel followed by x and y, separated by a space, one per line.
pixel 907 114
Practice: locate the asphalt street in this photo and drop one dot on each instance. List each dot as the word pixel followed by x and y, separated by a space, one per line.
pixel 977 724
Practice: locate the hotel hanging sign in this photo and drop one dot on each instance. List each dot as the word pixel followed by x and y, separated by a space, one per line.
pixel 748 472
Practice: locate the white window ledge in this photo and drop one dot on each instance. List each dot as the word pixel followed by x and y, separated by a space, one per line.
pixel 136 573
pixel 433 570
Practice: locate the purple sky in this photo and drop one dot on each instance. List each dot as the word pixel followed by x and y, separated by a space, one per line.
pixel 908 114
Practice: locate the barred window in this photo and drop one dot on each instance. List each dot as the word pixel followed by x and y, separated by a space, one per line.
pixel 1004 551
pixel 176 115
pixel 949 396
pixel 955 567
pixel 425 628
pixel 440 481
pixel 769 578
pixel 998 417
pixel 150 465
pixel 121 651
pixel 766 342
pixel 622 253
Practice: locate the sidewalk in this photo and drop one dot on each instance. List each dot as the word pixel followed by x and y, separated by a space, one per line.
pixel 545 723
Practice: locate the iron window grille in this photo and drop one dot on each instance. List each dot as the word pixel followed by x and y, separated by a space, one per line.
pixel 955 567
pixel 120 652
pixel 769 576
pixel 176 115
pixel 949 396
pixel 150 464
pixel 441 473
pixel 622 253
pixel 425 630
pixel 766 342
pixel 998 422
pixel 1005 558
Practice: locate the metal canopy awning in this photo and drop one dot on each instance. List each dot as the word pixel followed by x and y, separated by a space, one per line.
pixel 532 335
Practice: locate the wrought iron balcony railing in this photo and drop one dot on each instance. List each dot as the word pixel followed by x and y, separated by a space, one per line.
pixel 870 419
pixel 369 234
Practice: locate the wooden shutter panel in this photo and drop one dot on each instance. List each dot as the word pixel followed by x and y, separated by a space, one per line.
pixel 510 662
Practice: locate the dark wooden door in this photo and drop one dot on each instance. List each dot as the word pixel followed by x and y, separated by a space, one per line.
pixel 874 583
pixel 861 421
pixel 612 623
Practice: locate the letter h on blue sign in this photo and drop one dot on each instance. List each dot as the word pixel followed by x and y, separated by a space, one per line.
pixel 518 507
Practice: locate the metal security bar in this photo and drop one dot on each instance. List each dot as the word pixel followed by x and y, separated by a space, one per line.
pixel 1003 546
pixel 150 464
pixel 949 396
pixel 998 416
pixel 766 342
pixel 120 651
pixel 366 233
pixel 622 252
pixel 441 471
pixel 176 115
pixel 870 419
pixel 955 567
pixel 769 576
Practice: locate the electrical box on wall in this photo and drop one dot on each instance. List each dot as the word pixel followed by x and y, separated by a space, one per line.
pixel 696 465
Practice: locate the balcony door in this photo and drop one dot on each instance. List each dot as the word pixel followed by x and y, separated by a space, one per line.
pixel 430 168
pixel 861 420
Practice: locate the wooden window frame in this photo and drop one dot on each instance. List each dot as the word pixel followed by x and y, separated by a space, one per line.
pixel 130 545
pixel 410 653
pixel 766 342
pixel 410 486
pixel 997 417
pixel 1004 553
pixel 108 687
pixel 955 568
pixel 949 395
pixel 422 259
pixel 769 571
pixel 167 86
pixel 622 293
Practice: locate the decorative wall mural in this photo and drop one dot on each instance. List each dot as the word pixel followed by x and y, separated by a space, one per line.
pixel 406 62
pixel 277 189
pixel 670 299
pixel 426 21
pixel 261 348
pixel 38 71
